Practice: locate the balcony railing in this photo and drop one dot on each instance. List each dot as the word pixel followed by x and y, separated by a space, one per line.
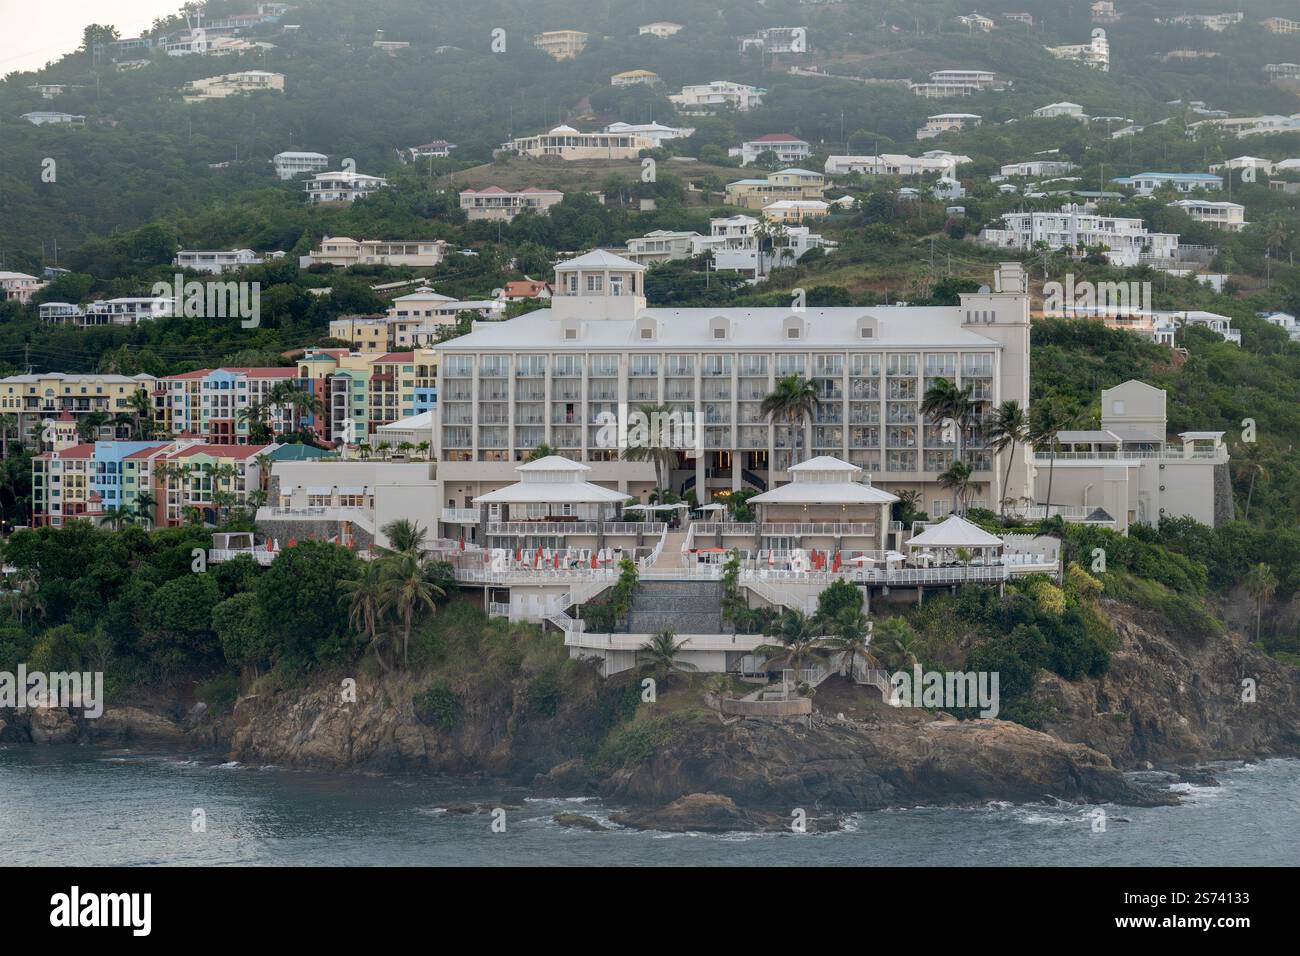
pixel 542 527
pixel 460 515
pixel 810 528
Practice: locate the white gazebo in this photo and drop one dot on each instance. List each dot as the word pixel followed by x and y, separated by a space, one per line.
pixel 954 533
pixel 825 494
pixel 552 489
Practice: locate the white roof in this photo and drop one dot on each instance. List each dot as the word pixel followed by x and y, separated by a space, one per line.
pixel 752 328
pixel 554 463
pixel 845 492
pixel 552 492
pixel 414 423
pixel 824 463
pixel 599 259
pixel 954 532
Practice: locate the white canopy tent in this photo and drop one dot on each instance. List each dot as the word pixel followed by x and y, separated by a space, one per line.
pixel 952 534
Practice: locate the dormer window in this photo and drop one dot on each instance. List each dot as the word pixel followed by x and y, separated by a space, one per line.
pixel 792 332
pixel 867 327
pixel 793 327
pixel 719 333
pixel 720 327
pixel 646 329
pixel 647 333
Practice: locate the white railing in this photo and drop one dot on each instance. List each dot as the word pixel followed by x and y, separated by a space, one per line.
pixel 649 560
pixel 839 528
pixel 260 555
pixel 542 527
pixel 688 543
pixel 1199 454
pixel 725 527
pixel 634 527
pixel 498 609
pixel 460 515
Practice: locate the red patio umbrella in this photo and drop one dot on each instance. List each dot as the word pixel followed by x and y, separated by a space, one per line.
pixel 593 560
pixel 462 542
pixel 519 554
pixel 292 542
pixel 555 562
pixel 270 544
pixel 835 564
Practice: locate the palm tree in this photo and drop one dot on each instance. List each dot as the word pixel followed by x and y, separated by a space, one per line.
pixel 8 423
pixel 792 655
pixel 115 518
pixel 1046 420
pixel 790 625
pixel 656 447
pixel 423 449
pixel 1008 428
pixel 145 503
pixel 851 634
pixel 944 401
pixel 89 425
pixel 407 592
pixel 254 417
pixel 404 536
pixel 141 406
pixel 898 636
pixel 660 654
pixel 794 401
pixel 363 597
pixel 1250 463
pixel 957 479
pixel 1261 584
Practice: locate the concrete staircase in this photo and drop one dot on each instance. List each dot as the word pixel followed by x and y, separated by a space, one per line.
pixel 683 607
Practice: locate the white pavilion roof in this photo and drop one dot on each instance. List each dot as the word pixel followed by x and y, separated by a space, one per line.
pixel 953 532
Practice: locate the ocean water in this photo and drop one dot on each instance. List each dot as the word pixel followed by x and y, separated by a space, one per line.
pixel 85 806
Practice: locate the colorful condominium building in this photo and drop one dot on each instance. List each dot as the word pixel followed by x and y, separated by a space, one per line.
pixel 210 403
pixel 38 399
pixel 360 391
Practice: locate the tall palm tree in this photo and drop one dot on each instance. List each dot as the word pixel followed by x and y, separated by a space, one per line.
pixel 1261 584
pixel 957 479
pixel 944 401
pixel 141 406
pixel 145 503
pixel 1046 420
pixel 8 423
pixel 660 654
pixel 404 536
pixel 254 417
pixel 1250 464
pixel 1008 429
pixel 363 597
pixel 793 401
pixel 850 634
pixel 407 592
pixel 656 448
pixel 90 424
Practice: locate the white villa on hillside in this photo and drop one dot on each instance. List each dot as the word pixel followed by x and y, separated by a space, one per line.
pixel 232 84
pixel 565 142
pixel 655 133
pixel 344 186
pixel 716 95
pixel 788 149
pixel 343 252
pixel 291 164
pixel 217 261
pixel 945 84
pixel 1125 240
pixel 896 164
pixel 1226 215
pixel 1095 53
pixel 19 286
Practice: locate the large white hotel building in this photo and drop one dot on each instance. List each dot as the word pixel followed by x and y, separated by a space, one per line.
pixel 557 376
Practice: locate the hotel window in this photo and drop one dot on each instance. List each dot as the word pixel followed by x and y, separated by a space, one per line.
pixel 753 365
pixel 789 365
pixel 595 283
pixel 643 365
pixel 604 365
pixel 680 365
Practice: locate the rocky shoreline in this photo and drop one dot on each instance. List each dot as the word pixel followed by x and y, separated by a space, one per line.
pixel 1165 708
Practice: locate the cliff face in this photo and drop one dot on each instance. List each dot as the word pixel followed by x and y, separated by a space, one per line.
pixel 1169 699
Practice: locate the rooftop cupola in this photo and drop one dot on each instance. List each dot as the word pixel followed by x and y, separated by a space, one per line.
pixel 598 285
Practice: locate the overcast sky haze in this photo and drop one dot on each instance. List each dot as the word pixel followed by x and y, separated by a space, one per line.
pixel 33 32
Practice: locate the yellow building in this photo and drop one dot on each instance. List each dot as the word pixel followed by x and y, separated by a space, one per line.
pixel 561 44
pixel 40 398
pixel 786 184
